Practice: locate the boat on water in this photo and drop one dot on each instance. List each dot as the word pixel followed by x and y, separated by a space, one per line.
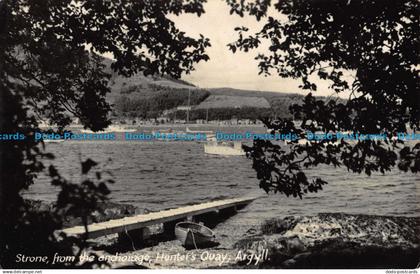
pixel 167 131
pixel 224 148
pixel 194 235
pixel 53 141
pixel 208 133
pixel 112 128
pixel 198 131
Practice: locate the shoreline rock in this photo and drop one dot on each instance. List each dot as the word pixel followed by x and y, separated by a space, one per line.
pixel 337 240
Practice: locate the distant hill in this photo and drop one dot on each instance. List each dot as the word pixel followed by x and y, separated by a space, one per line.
pixel 149 97
pixel 142 84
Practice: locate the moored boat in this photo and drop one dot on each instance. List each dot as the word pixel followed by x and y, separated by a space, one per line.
pixel 198 131
pixel 224 148
pixel 53 141
pixel 194 235
pixel 208 133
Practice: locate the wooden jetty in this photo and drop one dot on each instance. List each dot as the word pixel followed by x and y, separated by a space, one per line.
pixel 137 225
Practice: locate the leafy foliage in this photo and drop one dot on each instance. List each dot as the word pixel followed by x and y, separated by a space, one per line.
pixel 36 234
pixel 377 41
pixel 50 70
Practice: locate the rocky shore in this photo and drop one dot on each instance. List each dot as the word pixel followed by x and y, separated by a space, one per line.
pixel 334 240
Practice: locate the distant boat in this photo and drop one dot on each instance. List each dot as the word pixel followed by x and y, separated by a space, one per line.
pixel 199 131
pixel 194 235
pixel 163 131
pixel 112 128
pixel 167 131
pixel 209 134
pixel 53 141
pixel 224 148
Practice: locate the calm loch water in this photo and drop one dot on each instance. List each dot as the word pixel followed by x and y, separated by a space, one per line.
pixel 160 175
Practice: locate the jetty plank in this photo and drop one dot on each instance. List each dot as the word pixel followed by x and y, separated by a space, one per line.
pixel 126 224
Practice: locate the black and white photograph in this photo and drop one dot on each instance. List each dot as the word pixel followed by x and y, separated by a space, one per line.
pixel 228 135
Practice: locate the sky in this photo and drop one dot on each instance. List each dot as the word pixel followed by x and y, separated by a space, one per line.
pixel 225 69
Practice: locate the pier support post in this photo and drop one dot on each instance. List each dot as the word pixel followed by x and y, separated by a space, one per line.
pixel 169 227
pixel 209 219
pixel 134 237
pixel 227 212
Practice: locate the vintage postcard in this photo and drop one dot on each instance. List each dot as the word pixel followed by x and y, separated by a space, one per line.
pixel 209 134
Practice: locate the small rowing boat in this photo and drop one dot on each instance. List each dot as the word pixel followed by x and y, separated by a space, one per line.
pixel 194 235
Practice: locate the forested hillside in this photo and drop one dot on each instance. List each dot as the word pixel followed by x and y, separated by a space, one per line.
pixel 150 97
